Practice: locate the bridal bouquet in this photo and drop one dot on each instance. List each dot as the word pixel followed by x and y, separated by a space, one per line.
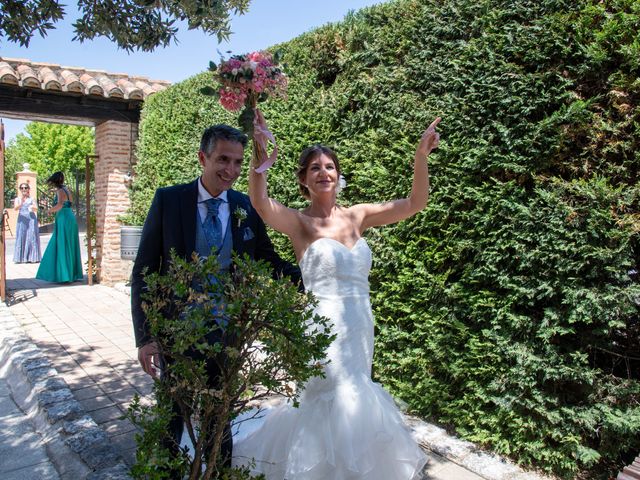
pixel 248 79
pixel 242 82
pixel 245 80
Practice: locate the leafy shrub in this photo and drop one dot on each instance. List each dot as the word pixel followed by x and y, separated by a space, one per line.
pixel 267 340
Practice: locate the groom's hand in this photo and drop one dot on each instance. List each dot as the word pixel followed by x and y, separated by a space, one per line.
pixel 148 358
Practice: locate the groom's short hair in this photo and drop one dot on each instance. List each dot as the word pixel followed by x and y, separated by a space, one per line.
pixel 220 132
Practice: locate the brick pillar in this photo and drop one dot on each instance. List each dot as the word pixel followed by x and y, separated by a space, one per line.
pixel 114 146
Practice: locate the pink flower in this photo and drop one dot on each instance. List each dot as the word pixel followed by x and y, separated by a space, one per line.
pixel 258 85
pixel 231 100
pixel 257 56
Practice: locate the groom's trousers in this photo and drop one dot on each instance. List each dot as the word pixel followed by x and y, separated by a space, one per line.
pixel 176 425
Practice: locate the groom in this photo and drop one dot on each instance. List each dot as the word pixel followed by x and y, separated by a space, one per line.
pixel 198 217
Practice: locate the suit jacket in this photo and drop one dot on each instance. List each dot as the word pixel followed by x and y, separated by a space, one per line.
pixel 171 223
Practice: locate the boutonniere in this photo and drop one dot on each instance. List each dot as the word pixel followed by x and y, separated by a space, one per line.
pixel 240 214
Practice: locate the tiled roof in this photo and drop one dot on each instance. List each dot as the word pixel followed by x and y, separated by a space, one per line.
pixel 55 78
pixel 631 472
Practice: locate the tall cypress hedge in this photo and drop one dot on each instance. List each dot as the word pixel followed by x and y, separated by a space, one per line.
pixel 508 309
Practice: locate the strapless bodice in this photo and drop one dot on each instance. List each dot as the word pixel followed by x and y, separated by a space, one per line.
pixel 330 268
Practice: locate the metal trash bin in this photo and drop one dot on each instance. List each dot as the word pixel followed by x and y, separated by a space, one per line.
pixel 129 240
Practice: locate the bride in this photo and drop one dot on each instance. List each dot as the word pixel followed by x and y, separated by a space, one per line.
pixel 347 427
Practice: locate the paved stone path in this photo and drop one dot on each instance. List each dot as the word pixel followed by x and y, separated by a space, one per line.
pixel 22 449
pixel 87 335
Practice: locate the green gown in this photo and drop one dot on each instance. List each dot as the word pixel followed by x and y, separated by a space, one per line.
pixel 61 261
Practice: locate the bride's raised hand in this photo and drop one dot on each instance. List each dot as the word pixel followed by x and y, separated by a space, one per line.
pixel 430 139
pixel 259 126
pixel 259 134
pixel 261 137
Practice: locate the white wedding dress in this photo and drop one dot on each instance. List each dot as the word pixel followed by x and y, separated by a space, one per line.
pixel 347 427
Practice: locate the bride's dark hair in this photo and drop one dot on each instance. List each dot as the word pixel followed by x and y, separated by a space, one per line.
pixel 309 154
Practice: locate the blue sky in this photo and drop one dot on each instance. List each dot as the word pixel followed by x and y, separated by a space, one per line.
pixel 267 22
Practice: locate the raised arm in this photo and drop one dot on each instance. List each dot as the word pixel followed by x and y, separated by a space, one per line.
pixel 273 213
pixel 375 214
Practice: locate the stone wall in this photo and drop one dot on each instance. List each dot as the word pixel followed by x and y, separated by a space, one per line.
pixel 115 149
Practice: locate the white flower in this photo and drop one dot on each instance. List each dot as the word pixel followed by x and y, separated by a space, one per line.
pixel 240 214
pixel 342 183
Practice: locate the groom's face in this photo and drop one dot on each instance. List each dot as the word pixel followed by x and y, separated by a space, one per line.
pixel 222 166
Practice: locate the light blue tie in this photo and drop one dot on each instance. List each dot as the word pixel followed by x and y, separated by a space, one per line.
pixel 212 226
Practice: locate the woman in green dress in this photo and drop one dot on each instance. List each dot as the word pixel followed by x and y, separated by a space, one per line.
pixel 61 261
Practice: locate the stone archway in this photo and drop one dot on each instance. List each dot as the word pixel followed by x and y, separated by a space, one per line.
pixel 110 102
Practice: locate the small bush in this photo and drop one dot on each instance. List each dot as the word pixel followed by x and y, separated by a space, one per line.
pixel 260 333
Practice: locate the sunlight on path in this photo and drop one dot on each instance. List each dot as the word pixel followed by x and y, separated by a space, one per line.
pixel 87 334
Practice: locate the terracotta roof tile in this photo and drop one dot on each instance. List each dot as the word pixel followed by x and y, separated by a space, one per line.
pixel 55 78
pixel 92 87
pixel 71 82
pixel 145 87
pixel 110 87
pixel 131 91
pixel 49 79
pixel 27 77
pixel 8 75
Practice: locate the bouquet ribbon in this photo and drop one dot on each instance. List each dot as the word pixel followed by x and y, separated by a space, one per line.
pixel 262 134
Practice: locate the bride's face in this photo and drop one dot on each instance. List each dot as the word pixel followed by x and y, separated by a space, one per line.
pixel 321 175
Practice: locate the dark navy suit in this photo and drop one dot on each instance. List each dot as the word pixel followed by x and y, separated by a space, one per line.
pixel 171 224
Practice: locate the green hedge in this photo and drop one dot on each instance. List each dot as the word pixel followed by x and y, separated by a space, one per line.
pixel 507 310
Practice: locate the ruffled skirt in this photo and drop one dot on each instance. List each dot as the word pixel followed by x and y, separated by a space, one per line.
pixel 346 428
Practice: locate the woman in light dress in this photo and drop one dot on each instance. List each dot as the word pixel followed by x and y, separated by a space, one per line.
pixel 27 247
pixel 347 427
